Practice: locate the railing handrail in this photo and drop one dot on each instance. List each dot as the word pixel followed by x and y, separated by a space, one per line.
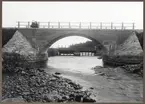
pixel 89 25
pixel 78 22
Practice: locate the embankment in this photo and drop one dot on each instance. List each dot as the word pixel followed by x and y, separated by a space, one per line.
pixel 129 55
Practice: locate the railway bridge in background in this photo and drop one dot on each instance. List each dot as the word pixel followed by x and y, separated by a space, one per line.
pixel 109 35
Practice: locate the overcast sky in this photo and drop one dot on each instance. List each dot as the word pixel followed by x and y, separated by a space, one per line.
pixel 72 12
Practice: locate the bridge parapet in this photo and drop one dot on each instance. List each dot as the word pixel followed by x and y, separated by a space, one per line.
pixel 79 25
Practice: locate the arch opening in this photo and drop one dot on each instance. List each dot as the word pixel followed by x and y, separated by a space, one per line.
pixel 95 46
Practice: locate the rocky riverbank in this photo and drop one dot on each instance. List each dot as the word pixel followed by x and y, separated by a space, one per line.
pixel 132 64
pixel 33 84
pixel 137 68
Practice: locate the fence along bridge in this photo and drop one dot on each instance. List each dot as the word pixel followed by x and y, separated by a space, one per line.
pixel 79 25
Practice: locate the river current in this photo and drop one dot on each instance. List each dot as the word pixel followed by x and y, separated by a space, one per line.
pixel 75 64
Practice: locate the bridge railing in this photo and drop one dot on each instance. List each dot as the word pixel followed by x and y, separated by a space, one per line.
pixel 79 25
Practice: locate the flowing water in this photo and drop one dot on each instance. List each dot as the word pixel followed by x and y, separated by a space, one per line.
pixel 75 64
pixel 121 87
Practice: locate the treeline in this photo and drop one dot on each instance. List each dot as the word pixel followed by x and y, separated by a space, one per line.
pixel 87 46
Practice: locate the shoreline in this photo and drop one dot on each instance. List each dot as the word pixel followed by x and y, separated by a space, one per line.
pixel 26 84
pixel 33 78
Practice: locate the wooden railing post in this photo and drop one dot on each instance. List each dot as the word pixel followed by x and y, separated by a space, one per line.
pixel 111 25
pixel 90 25
pixel 58 24
pixel 18 24
pixel 80 25
pixel 69 25
pixel 48 24
pixel 100 25
pixel 122 25
pixel 28 24
pixel 38 24
pixel 133 26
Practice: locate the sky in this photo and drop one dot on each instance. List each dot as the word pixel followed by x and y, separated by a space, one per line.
pixel 128 12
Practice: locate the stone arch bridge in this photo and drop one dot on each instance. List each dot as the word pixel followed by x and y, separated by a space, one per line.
pixel 42 39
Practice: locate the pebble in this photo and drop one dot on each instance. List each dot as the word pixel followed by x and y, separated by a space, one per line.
pixel 57 73
pixel 102 74
pixel 91 88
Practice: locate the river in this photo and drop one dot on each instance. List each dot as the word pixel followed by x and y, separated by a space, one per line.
pixel 120 87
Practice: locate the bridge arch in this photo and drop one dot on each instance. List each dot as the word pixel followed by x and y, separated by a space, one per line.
pixel 46 47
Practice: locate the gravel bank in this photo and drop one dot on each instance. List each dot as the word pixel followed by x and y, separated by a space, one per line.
pixel 29 84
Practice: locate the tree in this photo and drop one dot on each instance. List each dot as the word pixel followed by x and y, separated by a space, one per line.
pixel 35 24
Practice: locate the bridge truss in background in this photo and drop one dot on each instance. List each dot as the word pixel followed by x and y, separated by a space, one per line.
pixel 79 25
